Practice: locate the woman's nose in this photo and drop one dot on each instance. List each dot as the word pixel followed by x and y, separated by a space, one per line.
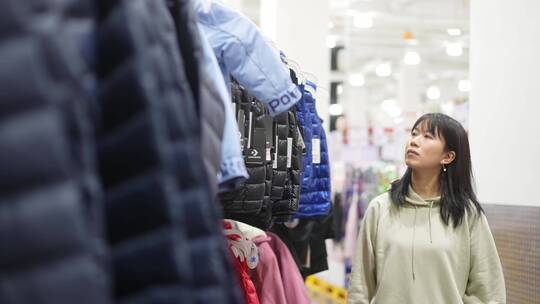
pixel 413 142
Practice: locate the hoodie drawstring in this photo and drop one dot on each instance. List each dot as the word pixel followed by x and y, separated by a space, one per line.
pixel 413 238
pixel 430 235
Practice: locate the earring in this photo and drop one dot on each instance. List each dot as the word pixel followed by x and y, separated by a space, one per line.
pixel 444 168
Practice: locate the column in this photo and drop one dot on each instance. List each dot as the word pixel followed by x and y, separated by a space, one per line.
pixel 505 103
pixel 409 88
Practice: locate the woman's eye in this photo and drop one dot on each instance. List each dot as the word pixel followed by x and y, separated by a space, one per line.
pixel 428 136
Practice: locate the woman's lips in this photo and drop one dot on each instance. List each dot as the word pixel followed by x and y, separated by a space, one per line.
pixel 412 152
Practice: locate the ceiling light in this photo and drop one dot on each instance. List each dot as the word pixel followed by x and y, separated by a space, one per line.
pixel 433 93
pixel 331 25
pixel 454 32
pixel 335 109
pixel 383 70
pixel 464 85
pixel 352 12
pixel 357 80
pixel 412 58
pixel 331 42
pixel 408 35
pixel 363 21
pixel 398 120
pixel 391 108
pixel 454 49
pixel 448 108
pixel 388 103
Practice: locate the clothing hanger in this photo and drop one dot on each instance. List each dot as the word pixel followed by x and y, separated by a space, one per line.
pixel 296 68
pixel 315 79
pixel 301 75
pixel 304 74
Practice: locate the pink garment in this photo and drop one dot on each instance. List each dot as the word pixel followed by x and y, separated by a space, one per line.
pixel 266 276
pixel 295 288
pixel 277 278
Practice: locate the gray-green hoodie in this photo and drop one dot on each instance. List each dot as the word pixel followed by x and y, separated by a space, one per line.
pixel 408 255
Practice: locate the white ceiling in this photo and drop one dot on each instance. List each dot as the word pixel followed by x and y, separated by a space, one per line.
pixel 427 20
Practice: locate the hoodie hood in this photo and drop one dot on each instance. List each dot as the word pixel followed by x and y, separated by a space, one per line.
pixel 413 200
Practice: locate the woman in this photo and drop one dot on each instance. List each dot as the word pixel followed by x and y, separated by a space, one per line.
pixel 427 239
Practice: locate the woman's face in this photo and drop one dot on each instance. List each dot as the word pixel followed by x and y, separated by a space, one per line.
pixel 425 150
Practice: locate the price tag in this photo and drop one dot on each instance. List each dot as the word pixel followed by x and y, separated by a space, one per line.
pixel 316 150
pixel 289 151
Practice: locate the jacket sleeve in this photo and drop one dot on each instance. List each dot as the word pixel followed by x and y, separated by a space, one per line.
pixel 363 277
pixel 245 54
pixel 232 168
pixel 486 279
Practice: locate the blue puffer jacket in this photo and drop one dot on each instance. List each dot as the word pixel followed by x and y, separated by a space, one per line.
pixel 315 191
pixel 51 250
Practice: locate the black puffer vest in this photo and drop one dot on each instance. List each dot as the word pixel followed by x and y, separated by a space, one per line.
pixel 272 190
pixel 287 205
pixel 249 198
pixel 251 202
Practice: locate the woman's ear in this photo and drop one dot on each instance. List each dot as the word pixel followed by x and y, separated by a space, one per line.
pixel 448 158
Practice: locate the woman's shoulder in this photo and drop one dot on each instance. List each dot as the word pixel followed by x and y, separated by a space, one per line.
pixel 474 216
pixel 382 201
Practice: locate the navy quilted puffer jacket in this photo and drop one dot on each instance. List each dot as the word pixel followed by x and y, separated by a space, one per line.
pixel 51 248
pixel 315 186
pixel 162 223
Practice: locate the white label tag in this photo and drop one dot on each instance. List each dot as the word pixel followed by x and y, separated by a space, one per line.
pixel 250 128
pixel 289 152
pixel 316 150
pixel 275 154
pixel 253 258
pixel 268 155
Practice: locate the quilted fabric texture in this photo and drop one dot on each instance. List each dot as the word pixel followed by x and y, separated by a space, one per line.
pixel 161 217
pixel 51 204
pixel 315 197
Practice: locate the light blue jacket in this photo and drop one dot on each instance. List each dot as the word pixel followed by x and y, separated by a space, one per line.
pixel 232 168
pixel 243 53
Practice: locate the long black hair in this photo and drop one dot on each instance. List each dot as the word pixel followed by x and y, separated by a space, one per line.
pixel 456 184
